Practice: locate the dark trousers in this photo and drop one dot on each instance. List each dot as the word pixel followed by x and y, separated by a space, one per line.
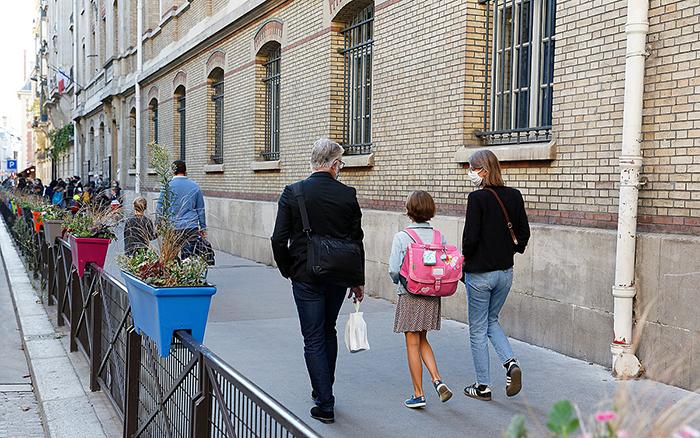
pixel 318 305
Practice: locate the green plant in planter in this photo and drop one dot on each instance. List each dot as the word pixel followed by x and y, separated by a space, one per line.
pixel 93 222
pixel 53 213
pixel 162 267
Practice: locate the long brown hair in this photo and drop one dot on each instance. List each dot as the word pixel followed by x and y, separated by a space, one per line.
pixel 485 159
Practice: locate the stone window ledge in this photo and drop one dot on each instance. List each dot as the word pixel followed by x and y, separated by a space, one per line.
pixel 544 151
pixel 364 160
pixel 213 168
pixel 151 171
pixel 132 171
pixel 261 166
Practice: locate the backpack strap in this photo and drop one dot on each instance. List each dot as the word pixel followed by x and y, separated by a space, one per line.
pixel 413 235
pixel 437 237
pixel 298 191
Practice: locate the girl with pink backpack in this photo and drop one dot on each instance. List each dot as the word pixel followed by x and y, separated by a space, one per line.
pixel 424 268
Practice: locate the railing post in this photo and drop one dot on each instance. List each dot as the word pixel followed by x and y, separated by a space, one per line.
pixel 51 275
pixel 201 404
pixel 61 289
pixel 76 305
pixel 96 335
pixel 131 390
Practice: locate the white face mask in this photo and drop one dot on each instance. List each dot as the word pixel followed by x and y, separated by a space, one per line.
pixel 474 178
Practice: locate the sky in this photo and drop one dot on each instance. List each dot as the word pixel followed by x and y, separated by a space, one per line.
pixel 15 37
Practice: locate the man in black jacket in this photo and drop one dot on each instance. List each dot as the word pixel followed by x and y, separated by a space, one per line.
pixel 334 212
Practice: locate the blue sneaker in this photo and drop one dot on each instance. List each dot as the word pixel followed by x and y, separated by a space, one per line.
pixel 415 402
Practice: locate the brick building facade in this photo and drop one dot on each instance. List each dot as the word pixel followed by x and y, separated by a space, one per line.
pixel 412 88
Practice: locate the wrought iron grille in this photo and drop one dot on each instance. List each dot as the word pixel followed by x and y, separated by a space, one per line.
pixel 519 71
pixel 357 129
pixel 154 121
pixel 183 125
pixel 218 98
pixel 272 106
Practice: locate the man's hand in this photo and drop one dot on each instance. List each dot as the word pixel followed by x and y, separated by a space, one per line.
pixel 203 233
pixel 358 292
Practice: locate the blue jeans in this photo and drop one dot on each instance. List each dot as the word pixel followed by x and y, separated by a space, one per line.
pixel 318 305
pixel 486 294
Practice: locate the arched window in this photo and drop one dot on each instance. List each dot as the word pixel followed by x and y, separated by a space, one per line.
pixel 216 116
pixel 99 157
pixel 153 120
pixel 179 121
pixel 132 138
pixel 358 37
pixel 271 55
pixel 89 164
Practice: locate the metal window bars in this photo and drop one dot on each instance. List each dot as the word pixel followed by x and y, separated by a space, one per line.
pixel 217 98
pixel 357 127
pixel 519 71
pixel 272 105
pixel 190 393
pixel 154 121
pixel 182 125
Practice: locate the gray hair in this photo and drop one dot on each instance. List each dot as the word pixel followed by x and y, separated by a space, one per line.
pixel 324 152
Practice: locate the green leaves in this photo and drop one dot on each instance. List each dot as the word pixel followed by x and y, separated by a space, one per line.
pixel 562 420
pixel 516 429
pixel 60 141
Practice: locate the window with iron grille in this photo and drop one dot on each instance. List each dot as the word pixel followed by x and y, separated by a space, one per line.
pixel 182 125
pixel 520 70
pixel 272 105
pixel 154 120
pixel 217 98
pixel 357 129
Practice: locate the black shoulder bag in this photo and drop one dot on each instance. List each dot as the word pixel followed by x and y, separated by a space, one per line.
pixel 331 259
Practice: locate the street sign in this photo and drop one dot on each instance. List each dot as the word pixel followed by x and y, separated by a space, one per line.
pixel 12 165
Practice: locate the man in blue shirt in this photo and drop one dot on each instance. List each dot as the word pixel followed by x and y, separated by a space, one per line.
pixel 187 203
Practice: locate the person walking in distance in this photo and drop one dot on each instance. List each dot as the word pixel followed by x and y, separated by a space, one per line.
pixel 496 228
pixel 317 209
pixel 138 230
pixel 186 205
pixel 417 314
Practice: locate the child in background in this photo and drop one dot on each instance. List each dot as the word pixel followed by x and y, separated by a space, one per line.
pixel 138 230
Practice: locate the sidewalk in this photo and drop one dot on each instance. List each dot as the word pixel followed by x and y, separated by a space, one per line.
pixel 59 377
pixel 19 408
pixel 253 325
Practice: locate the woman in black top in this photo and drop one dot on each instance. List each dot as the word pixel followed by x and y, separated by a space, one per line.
pixel 496 228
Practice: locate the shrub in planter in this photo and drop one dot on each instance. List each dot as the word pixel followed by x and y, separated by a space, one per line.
pixel 89 234
pixel 166 293
pixel 53 224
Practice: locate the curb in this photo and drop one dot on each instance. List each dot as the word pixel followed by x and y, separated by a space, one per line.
pixel 62 398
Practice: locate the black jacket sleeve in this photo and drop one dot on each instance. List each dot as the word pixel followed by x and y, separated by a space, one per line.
pixel 472 227
pixel 522 226
pixel 357 233
pixel 282 233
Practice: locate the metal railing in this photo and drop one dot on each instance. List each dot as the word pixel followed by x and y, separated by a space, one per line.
pixel 190 393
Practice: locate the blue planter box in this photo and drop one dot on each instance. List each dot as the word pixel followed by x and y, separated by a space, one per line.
pixel 160 311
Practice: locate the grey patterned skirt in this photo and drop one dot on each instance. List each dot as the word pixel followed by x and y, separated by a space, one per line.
pixel 416 313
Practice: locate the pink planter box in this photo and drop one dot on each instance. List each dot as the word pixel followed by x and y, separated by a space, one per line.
pixel 86 250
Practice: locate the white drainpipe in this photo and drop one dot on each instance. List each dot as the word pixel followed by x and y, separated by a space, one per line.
pixel 137 90
pixel 625 363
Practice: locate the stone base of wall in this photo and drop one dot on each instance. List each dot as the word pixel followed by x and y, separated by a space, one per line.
pixel 562 291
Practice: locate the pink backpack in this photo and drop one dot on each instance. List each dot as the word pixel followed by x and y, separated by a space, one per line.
pixel 431 269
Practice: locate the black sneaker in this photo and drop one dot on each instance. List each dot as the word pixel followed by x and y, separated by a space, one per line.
pixel 443 391
pixel 322 416
pixel 514 378
pixel 479 392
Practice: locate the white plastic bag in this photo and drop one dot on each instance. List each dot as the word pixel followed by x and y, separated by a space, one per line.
pixel 356 331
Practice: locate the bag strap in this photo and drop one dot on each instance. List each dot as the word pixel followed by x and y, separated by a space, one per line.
pixel 298 191
pixel 505 213
pixel 413 235
pixel 437 237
